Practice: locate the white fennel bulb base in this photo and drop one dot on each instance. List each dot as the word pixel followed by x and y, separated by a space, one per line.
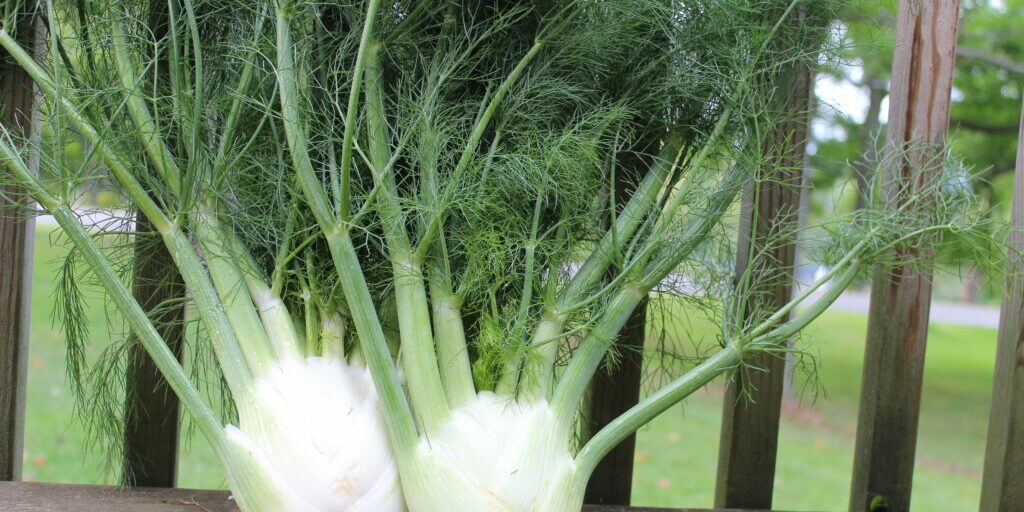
pixel 496 455
pixel 311 438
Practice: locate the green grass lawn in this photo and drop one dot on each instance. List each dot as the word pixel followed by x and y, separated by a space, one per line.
pixel 676 455
pixel 57 447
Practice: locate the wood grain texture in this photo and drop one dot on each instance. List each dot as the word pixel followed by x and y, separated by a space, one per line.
pixel 1002 486
pixel 152 410
pixel 769 214
pixel 39 497
pixel 613 392
pixel 152 414
pixel 16 246
pixel 922 73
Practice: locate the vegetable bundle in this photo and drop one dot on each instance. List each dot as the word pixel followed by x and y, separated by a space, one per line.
pixel 410 232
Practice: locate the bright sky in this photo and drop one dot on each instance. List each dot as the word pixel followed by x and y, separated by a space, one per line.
pixel 841 97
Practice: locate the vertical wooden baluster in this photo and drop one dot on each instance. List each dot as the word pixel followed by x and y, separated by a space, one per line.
pixel 152 410
pixel 16 246
pixel 1002 487
pixel 753 399
pixel 919 102
pixel 612 392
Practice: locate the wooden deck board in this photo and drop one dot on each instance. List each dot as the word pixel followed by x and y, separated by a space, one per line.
pixel 43 497
pixel 40 497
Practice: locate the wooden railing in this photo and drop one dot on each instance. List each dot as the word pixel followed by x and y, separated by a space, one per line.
pixel 892 373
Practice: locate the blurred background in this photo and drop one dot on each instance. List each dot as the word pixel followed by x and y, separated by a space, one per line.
pixel 677 453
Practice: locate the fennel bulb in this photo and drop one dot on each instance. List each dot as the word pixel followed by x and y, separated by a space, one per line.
pixel 495 454
pixel 312 430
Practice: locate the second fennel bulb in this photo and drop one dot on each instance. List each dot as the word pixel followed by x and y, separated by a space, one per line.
pixel 495 454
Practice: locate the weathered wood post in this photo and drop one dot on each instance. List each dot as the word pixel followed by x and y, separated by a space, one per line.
pixel 769 212
pixel 152 415
pixel 1002 487
pixel 922 76
pixel 152 410
pixel 613 392
pixel 16 245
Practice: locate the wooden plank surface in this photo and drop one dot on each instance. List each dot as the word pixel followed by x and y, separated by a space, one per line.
pixel 751 408
pixel 16 245
pixel 1002 485
pixel 922 73
pixel 40 497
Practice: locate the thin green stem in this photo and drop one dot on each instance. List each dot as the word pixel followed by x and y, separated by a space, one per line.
pixel 650 407
pixel 632 216
pixel 436 221
pixel 407 22
pixel 846 262
pixel 220 259
pixel 913 234
pixel 146 128
pixel 225 272
pixel 526 299
pixel 510 375
pixel 230 284
pixel 374 344
pixel 445 304
pixel 352 111
pixel 588 355
pixel 311 322
pixel 540 360
pixel 199 91
pixel 664 261
pixel 419 357
pixel 277 320
pixel 244 82
pixel 723 361
pixel 805 317
pixel 452 352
